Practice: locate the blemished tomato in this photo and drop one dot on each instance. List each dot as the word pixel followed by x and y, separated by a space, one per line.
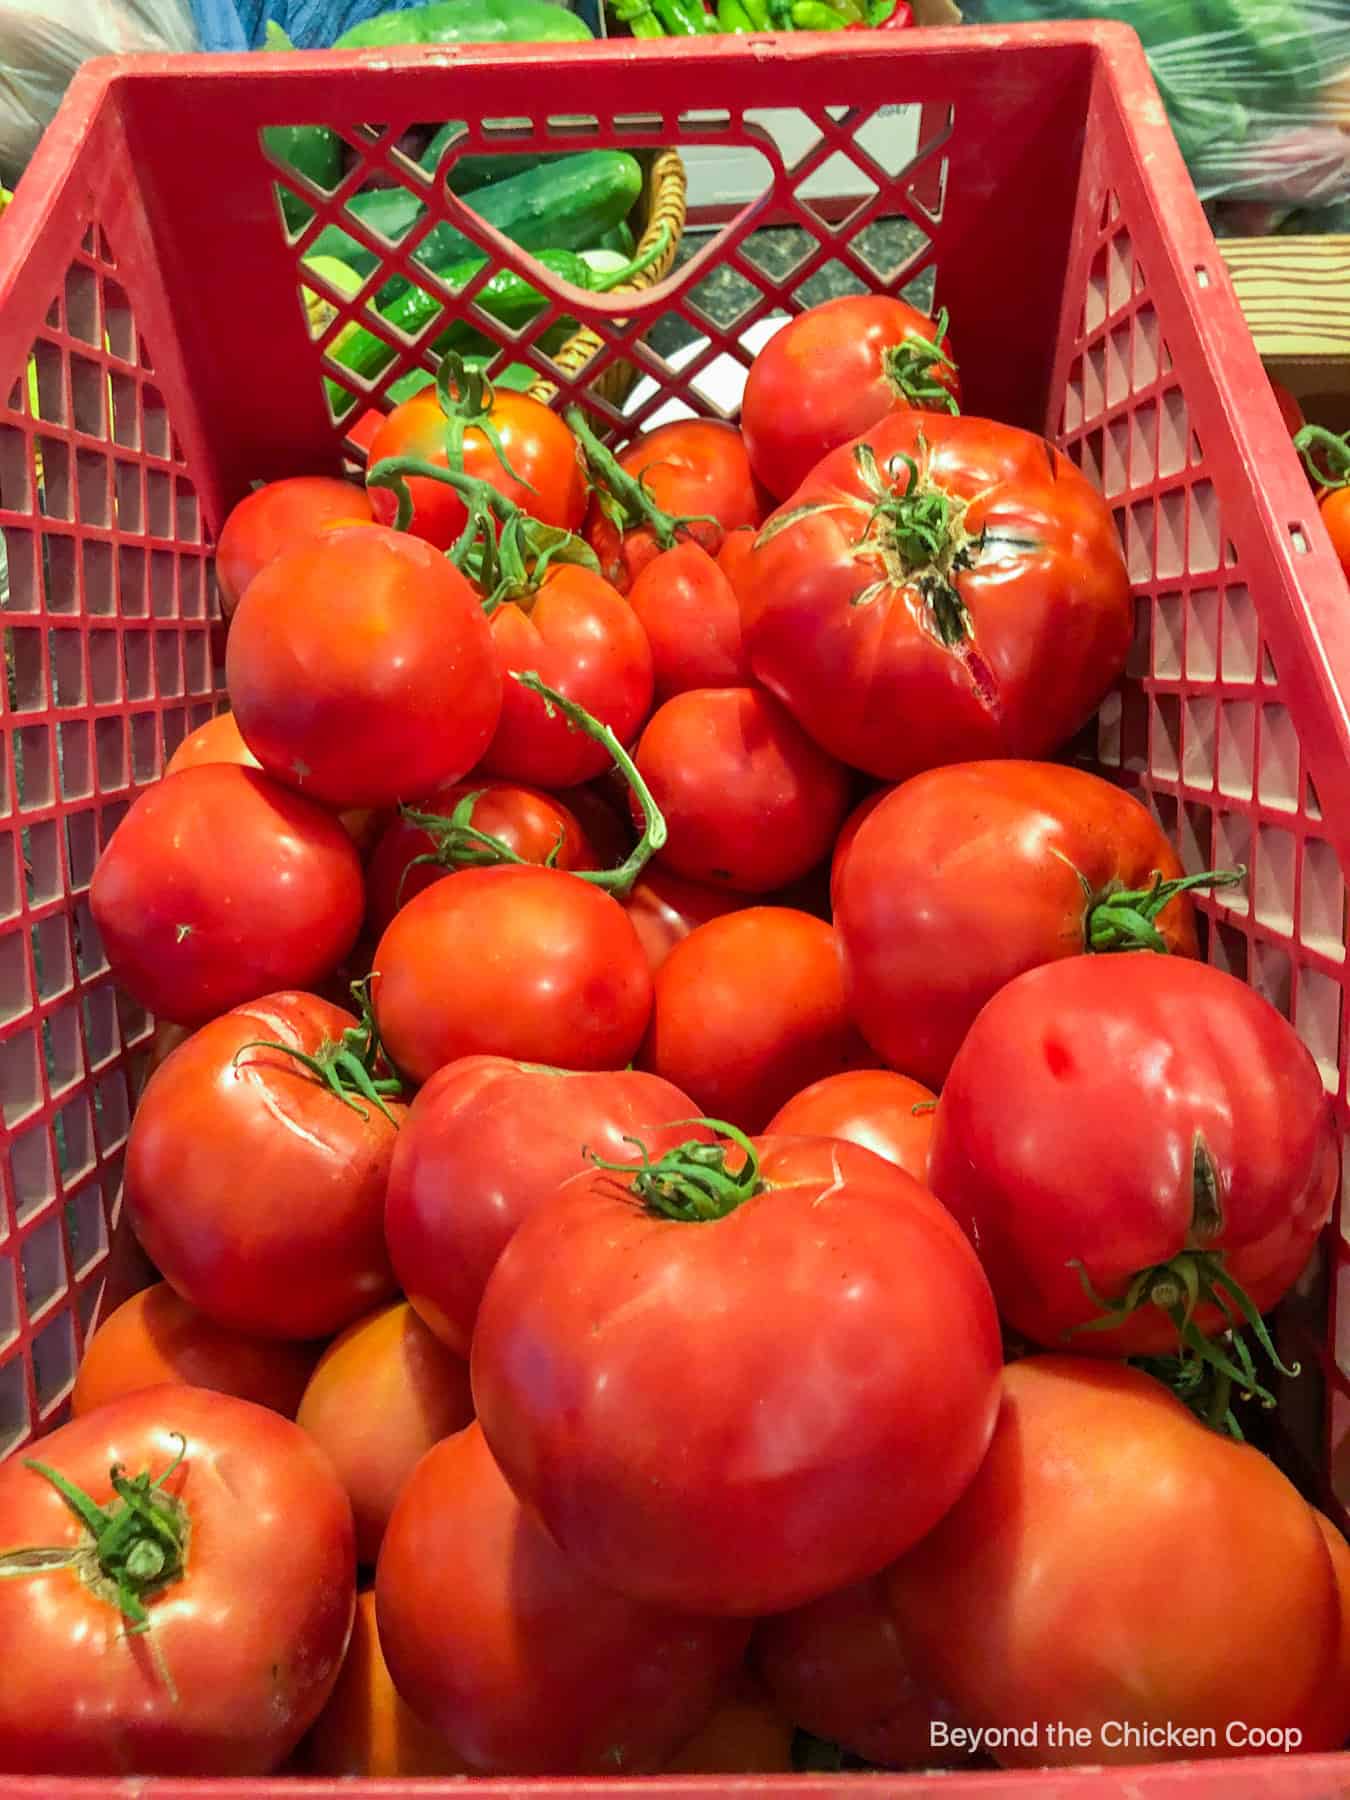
pixel 688 609
pixel 1023 1605
pixel 1136 1120
pixel 497 1639
pixel 221 885
pixel 884 1112
pixel 257 1191
pixel 383 1393
pixel 833 373
pixel 535 826
pixel 580 635
pixel 977 608
pixel 155 1337
pixel 485 1141
pixel 748 1010
pixel 1336 518
pixel 833 1327
pixel 361 669
pixel 537 444
pixel 964 877
pixel 247 1611
pixel 665 908
pixel 276 517
pixel 510 961
pixel 750 802
pixel 366 1729
pixel 746 1735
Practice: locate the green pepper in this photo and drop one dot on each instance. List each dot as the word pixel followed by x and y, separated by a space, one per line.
pixel 732 16
pixel 814 15
pixel 757 11
pixel 468 22
pixel 682 18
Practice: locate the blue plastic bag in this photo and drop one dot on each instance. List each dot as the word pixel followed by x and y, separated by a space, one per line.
pixel 309 24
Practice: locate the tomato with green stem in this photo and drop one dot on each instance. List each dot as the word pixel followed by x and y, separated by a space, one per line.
pixel 1328 460
pixel 277 516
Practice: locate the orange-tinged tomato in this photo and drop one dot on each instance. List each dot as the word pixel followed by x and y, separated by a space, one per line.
pixel 747 1735
pixel 274 518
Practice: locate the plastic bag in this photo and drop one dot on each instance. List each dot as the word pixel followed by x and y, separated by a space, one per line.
pixel 309 24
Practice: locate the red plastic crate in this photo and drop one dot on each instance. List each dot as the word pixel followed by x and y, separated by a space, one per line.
pixel 147 272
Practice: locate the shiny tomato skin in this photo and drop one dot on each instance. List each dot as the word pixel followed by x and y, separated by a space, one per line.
pixel 496 1638
pixel 822 380
pixel 522 962
pixel 484 1143
pixel 746 1735
pixel 748 1010
pixel 1336 518
pixel 773 1479
pixel 536 826
pixel 848 831
pixel 1070 1121
pixel 964 877
pixel 665 908
pixel 155 1337
pixel 750 802
pixel 688 609
pixel 254 1189
pixel 580 636
pixel 384 1392
pixel 1044 620
pixel 1021 1607
pixel 275 517
pixel 361 669
pixel 251 1634
pixel 884 1112
pixel 220 885
pixel 538 446
pixel 1339 1685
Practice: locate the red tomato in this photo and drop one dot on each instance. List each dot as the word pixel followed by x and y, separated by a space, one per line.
pixel 749 801
pixel 362 671
pixel 484 1142
pixel 1024 1605
pixel 578 634
pixel 689 467
pixel 1138 1115
pixel 535 826
pixel 248 1611
pixel 256 1191
pixel 747 1010
pixel 964 877
pixel 732 559
pixel 849 830
pixel 276 517
pixel 497 1639
pixel 689 611
pixel 833 373
pixel 538 447
pixel 383 1393
pixel 221 885
pixel 155 1337
pixel 1336 518
pixel 885 1113
pixel 511 961
pixel 601 807
pixel 1339 1685
pixel 746 1735
pixel 1290 410
pixel 832 1326
pixel 987 614
pixel 366 1729
pixel 665 908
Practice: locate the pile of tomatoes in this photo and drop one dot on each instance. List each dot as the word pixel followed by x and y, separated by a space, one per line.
pixel 703 1192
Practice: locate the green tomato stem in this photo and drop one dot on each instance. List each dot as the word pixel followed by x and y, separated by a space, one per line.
pixel 691 1184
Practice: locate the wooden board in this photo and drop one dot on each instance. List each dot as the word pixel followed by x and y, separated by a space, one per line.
pixel 1295 294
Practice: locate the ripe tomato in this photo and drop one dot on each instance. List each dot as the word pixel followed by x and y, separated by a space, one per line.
pixel 383 1393
pixel 849 830
pixel 578 634
pixel 221 885
pixel 884 1112
pixel 737 548
pixel 1339 1684
pixel 749 800
pixel 1023 1605
pixel 245 1583
pixel 1290 410
pixel 1336 518
pixel 496 1638
pixel 535 826
pixel 747 1010
pixel 746 1735
pixel 665 908
pixel 960 879
pixel 255 1189
pixel 362 671
pixel 155 1337
pixel 484 1142
pixel 833 1327
pixel 689 611
pixel 276 517
pixel 546 477
pixel 979 608
pixel 1150 1119
pixel 834 372
pixel 511 962
pixel 366 1729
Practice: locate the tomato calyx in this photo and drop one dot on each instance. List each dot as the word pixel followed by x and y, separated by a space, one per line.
pixel 347 1066
pixel 910 368
pixel 691 1184
pixel 1326 456
pixel 1118 918
pixel 137 1543
pixel 625 499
